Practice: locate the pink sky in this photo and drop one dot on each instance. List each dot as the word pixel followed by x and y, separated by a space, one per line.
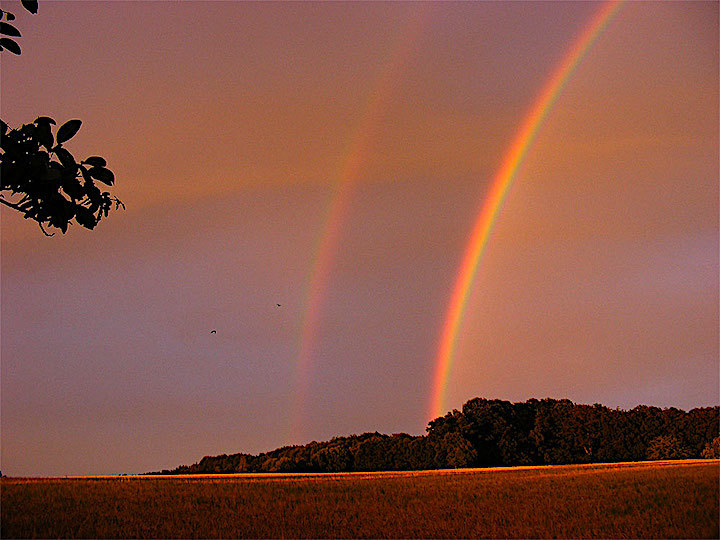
pixel 226 125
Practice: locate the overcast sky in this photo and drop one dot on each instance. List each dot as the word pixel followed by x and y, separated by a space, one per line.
pixel 228 126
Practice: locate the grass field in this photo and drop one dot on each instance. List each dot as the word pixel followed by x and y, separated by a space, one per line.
pixel 678 499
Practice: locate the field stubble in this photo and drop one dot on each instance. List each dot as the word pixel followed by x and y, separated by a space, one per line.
pixel 642 500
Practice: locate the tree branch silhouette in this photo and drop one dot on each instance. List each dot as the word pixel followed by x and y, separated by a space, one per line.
pixel 49 185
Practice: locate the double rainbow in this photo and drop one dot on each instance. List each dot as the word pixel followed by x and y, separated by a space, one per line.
pixel 327 244
pixel 498 191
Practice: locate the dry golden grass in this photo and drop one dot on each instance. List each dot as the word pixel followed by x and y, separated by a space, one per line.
pixel 638 500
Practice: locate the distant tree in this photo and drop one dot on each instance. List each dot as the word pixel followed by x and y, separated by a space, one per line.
pixel 666 447
pixel 450 439
pixel 701 428
pixel 712 449
pixel 562 432
pixel 618 438
pixel 38 176
pixel 500 431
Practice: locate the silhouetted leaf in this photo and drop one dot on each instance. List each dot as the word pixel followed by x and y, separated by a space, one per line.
pixel 93 193
pixel 45 135
pixel 68 130
pixel 53 174
pixel 9 29
pixel 95 161
pixel 10 45
pixel 65 157
pixel 102 175
pixel 30 5
pixel 85 175
pixel 85 217
pixel 43 120
pixel 72 187
pixel 95 198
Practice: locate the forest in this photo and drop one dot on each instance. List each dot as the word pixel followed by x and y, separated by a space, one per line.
pixel 487 433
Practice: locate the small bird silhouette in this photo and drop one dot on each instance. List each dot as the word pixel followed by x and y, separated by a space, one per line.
pixel 213 331
pixel 278 305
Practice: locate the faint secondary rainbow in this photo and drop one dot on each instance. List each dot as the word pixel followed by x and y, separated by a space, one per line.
pixel 495 197
pixel 327 244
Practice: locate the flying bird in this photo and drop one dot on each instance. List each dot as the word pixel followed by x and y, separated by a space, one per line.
pixel 213 331
pixel 278 305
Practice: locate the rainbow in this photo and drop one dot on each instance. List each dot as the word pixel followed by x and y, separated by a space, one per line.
pixel 498 191
pixel 326 247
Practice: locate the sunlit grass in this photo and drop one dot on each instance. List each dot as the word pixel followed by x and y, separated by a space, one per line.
pixel 645 500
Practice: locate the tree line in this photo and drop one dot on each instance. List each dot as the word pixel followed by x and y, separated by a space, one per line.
pixel 488 433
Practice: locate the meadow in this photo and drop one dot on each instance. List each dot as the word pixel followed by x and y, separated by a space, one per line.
pixel 667 499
